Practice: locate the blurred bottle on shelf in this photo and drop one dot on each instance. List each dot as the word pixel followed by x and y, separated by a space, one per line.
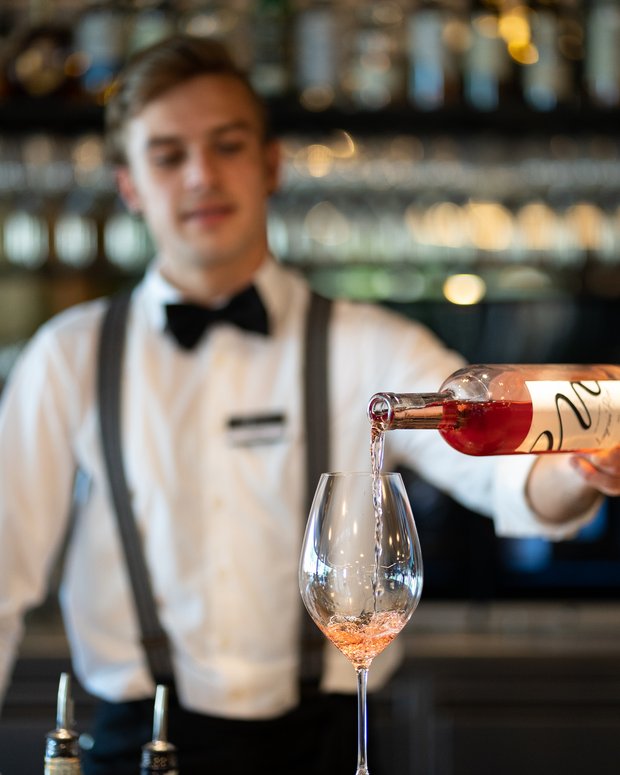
pixel 436 38
pixel 271 49
pixel 10 20
pixel 316 39
pixel 38 55
pixel 602 63
pixel 100 40
pixel 224 20
pixel 151 21
pixel 11 13
pixel 548 80
pixel 373 56
pixel 487 67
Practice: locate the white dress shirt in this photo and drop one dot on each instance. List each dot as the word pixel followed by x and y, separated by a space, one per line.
pixel 220 509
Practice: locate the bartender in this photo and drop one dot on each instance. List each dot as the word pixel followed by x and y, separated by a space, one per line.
pixel 213 440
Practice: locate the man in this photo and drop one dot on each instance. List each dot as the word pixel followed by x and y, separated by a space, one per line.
pixel 213 448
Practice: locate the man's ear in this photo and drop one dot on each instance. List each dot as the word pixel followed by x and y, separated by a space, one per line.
pixel 127 189
pixel 273 163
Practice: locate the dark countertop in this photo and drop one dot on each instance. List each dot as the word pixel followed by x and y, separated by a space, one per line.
pixel 443 630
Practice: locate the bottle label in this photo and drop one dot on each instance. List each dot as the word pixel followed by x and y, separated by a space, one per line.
pixel 62 767
pixel 573 415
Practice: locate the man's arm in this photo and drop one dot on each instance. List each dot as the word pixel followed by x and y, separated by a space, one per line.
pixel 36 478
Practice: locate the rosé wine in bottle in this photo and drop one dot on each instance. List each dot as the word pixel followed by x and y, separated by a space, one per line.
pixel 505 409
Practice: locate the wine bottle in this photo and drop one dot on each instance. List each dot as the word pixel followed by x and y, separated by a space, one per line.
pixel 547 81
pixel 100 39
pixel 504 409
pixel 271 65
pixel 225 20
pixel 316 34
pixel 373 73
pixel 487 71
pixel 159 757
pixel 37 56
pixel 61 744
pixel 433 55
pixel 602 65
pixel 151 21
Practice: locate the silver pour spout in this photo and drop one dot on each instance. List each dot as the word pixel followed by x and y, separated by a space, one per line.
pixel 159 756
pixel 62 742
pixel 160 715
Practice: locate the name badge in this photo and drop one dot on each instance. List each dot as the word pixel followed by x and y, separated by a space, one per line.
pixel 256 429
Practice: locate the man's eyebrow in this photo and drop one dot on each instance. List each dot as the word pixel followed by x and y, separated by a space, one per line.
pixel 155 142
pixel 233 126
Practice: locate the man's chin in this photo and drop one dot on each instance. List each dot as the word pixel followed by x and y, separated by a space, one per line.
pixel 213 259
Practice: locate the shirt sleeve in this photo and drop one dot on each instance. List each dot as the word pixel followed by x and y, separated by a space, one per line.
pixel 512 513
pixel 36 477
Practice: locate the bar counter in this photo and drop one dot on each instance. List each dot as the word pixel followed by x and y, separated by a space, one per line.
pixel 498 688
pixel 441 630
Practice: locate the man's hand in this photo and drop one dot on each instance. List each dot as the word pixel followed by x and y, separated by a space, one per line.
pixel 562 487
pixel 600 470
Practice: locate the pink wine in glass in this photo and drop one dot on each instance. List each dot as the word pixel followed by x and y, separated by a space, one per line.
pixel 361 638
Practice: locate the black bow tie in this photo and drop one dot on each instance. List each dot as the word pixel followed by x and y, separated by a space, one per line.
pixel 188 322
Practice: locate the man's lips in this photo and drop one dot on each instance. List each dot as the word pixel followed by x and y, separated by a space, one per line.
pixel 208 214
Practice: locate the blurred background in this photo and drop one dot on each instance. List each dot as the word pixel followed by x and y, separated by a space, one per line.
pixel 457 160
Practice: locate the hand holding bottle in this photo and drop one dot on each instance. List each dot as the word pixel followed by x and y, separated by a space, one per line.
pixel 561 488
pixel 601 470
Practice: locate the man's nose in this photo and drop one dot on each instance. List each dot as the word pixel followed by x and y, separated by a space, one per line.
pixel 202 170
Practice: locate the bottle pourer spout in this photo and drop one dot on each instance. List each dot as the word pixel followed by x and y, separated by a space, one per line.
pixel 381 409
pixel 63 703
pixel 159 755
pixel 160 715
pixel 62 742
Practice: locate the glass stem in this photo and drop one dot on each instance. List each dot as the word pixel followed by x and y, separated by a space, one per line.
pixel 362 722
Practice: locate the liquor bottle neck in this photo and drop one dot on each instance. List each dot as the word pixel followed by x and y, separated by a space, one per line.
pixel 393 411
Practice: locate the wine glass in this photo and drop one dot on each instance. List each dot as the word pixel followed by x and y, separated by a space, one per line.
pixel 360 572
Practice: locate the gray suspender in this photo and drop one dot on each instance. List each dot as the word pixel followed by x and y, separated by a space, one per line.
pixel 316 398
pixel 111 345
pixel 317 458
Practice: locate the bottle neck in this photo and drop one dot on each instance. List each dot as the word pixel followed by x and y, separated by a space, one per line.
pixel 393 411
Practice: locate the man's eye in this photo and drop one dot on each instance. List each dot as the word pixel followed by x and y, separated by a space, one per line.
pixel 230 147
pixel 167 159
